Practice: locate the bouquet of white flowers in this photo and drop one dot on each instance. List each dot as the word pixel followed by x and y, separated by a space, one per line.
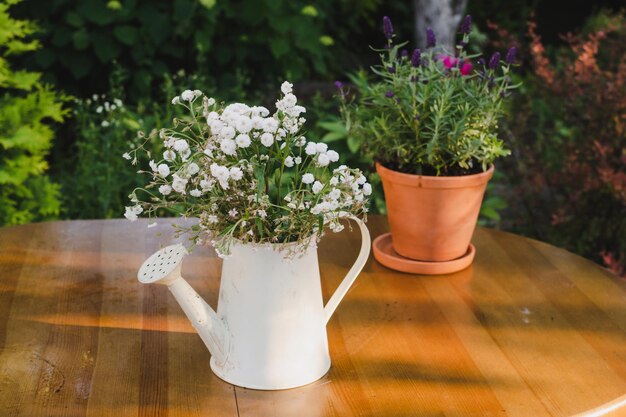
pixel 248 176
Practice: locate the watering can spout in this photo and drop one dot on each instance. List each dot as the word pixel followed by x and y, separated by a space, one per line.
pixel 164 267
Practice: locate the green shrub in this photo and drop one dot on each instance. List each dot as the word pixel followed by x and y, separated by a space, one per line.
pixel 265 39
pixel 569 142
pixel 26 108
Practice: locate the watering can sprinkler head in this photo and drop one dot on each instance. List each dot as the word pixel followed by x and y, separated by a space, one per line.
pixel 164 266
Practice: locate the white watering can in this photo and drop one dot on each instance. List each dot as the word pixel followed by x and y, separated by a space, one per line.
pixel 269 331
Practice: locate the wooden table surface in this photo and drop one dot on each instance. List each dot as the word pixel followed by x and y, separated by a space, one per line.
pixel 527 330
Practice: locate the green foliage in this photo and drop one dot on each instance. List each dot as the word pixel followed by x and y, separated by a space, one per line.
pixel 86 39
pixel 333 132
pixel 103 127
pixel 26 108
pixel 438 116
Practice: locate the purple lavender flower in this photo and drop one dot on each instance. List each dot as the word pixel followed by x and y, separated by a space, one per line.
pixel 391 69
pixel 387 27
pixel 494 60
pixel 481 62
pixel 404 53
pixel 416 58
pixel 389 94
pixel 430 38
pixel 510 56
pixel 466 25
pixel 338 85
pixel 417 117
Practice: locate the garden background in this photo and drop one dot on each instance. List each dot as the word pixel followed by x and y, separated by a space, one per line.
pixel 79 79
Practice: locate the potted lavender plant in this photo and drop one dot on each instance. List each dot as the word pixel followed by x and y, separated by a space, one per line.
pixel 430 121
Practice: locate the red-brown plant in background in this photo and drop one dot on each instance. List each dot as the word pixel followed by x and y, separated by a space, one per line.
pixel 569 136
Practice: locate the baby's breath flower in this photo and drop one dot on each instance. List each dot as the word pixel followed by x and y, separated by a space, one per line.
pixel 235 173
pixel 317 187
pixel 187 95
pixel 267 139
pixel 308 178
pixel 164 170
pixel 165 189
pixel 322 160
pixel 311 148
pixel 223 168
pixel 286 87
pixel 243 141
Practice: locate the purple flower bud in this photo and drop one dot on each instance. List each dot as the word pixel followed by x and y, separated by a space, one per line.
pixel 416 58
pixel 404 53
pixel 391 70
pixel 510 56
pixel 338 85
pixel 389 94
pixel 387 27
pixel 466 25
pixel 481 62
pixel 417 117
pixel 494 60
pixel 430 38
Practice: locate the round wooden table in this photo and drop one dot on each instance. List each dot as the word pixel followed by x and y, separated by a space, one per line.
pixel 527 330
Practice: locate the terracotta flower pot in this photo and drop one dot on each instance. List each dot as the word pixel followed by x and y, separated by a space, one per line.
pixel 432 218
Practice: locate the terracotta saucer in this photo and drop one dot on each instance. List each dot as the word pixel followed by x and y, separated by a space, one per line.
pixel 386 255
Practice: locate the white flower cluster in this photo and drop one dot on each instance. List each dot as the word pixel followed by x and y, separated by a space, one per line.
pixel 251 175
pixel 321 154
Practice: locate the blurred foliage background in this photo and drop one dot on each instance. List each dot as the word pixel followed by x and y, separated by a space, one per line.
pixel 79 79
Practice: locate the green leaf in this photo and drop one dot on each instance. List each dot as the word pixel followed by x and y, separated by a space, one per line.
pixel 353 144
pixel 80 39
pixel 105 47
pixel 24 80
pixel 183 10
pixel 126 34
pixel 208 4
pixel 259 174
pixel 309 10
pixel 96 11
pixel 490 213
pixel 327 40
pixel 79 64
pixel 333 137
pixel 495 202
pixel 279 47
pixel 334 126
pixel 45 58
pixel 259 226
pixel 74 19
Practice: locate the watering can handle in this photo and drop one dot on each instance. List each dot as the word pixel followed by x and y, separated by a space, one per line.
pixel 358 265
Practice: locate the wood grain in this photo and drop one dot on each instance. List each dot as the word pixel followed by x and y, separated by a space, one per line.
pixel 527 330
